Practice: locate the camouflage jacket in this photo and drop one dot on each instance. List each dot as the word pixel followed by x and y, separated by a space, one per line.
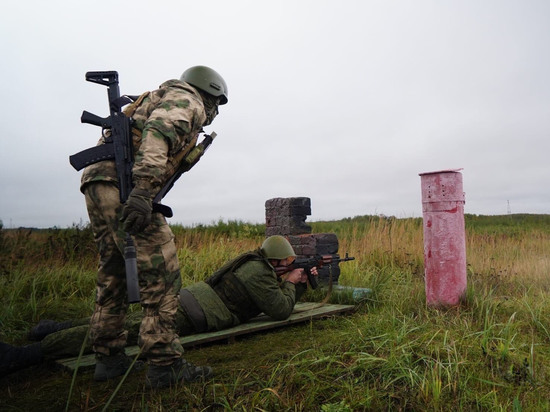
pixel 165 128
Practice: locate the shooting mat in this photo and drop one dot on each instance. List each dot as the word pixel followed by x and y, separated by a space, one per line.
pixel 303 312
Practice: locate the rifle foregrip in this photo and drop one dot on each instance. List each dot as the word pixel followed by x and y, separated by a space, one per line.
pixel 91 118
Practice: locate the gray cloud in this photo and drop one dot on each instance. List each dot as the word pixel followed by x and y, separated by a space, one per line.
pixel 344 103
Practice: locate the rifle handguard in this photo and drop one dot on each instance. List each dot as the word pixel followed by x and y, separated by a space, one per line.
pixel 310 262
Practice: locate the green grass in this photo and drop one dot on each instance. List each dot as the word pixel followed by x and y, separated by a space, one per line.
pixel 492 352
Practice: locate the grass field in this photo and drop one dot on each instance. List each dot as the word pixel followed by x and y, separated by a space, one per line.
pixel 394 353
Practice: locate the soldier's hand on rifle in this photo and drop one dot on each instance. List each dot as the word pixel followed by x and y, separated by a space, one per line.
pixel 136 214
pixel 296 276
pixel 313 278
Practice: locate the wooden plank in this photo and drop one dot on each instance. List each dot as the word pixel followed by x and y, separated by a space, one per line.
pixel 303 312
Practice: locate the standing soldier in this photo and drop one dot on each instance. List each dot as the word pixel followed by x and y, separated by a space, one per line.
pixel 166 124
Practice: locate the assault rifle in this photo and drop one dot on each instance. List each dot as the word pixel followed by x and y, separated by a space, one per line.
pixel 118 142
pixel 118 146
pixel 308 263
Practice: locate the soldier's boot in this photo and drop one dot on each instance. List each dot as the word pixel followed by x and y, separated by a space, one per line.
pixel 108 367
pixel 13 358
pixel 179 371
pixel 45 327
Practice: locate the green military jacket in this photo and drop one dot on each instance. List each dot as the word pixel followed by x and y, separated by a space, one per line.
pixel 254 288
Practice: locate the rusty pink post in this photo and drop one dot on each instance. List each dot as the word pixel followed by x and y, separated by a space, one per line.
pixel 444 237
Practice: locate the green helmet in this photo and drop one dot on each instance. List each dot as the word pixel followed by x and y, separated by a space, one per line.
pixel 207 80
pixel 277 247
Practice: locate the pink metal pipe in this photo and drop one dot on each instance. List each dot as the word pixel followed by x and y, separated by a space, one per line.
pixel 444 237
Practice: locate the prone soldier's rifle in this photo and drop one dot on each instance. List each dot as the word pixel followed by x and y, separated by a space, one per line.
pixel 308 263
pixel 118 146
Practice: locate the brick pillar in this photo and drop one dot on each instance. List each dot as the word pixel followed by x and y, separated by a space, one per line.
pixel 286 217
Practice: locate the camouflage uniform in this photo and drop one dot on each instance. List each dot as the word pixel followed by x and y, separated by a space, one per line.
pixel 245 291
pixel 166 125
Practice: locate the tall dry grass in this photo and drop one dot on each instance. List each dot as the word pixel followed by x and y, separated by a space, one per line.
pixel 492 352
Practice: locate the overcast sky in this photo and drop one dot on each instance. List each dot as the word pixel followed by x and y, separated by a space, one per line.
pixel 343 102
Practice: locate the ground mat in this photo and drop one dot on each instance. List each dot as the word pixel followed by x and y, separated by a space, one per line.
pixel 303 312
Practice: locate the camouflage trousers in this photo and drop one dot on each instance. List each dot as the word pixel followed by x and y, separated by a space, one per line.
pixel 159 280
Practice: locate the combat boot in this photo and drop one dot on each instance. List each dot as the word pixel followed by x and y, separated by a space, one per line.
pixel 45 327
pixel 108 367
pixel 180 370
pixel 13 358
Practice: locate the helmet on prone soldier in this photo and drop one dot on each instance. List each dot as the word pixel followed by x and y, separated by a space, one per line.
pixel 278 248
pixel 207 80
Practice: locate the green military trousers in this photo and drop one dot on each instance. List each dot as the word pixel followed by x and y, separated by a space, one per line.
pixel 68 342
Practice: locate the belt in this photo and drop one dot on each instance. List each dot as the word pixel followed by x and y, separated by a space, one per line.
pixel 193 310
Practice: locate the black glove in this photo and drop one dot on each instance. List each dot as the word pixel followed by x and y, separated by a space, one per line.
pixel 136 214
